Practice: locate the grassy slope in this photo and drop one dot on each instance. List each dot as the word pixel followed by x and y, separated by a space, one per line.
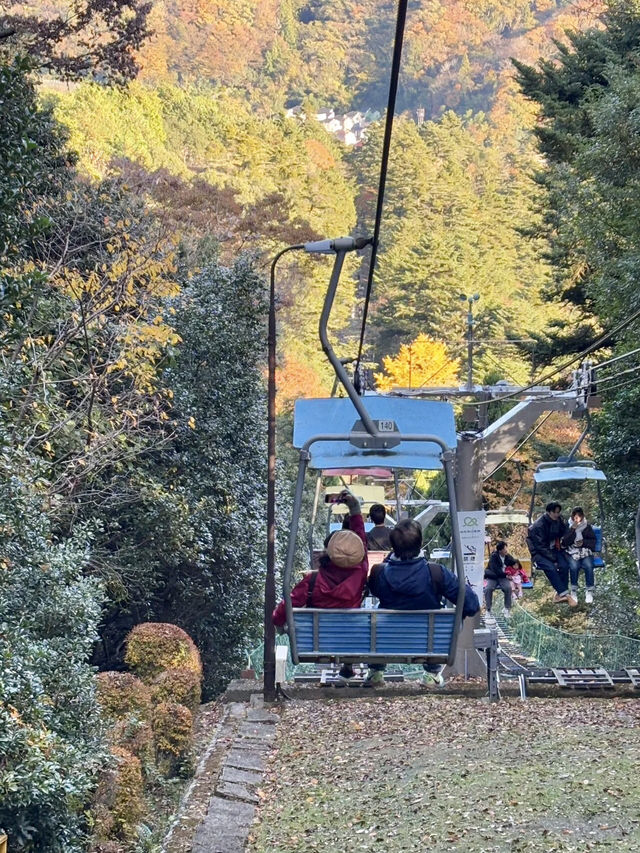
pixel 437 773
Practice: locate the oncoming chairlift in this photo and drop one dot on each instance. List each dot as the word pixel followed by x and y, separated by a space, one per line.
pixel 580 470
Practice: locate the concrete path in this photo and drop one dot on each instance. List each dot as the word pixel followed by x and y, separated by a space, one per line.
pixel 231 807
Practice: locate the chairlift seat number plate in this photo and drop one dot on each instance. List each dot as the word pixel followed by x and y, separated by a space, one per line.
pixel 390 435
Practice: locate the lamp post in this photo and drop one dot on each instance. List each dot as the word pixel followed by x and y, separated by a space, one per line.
pixel 469 300
pixel 269 659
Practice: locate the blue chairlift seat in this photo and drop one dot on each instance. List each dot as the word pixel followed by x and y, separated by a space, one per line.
pixel 372 636
pixel 598 562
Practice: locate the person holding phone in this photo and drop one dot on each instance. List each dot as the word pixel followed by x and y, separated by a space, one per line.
pixel 342 576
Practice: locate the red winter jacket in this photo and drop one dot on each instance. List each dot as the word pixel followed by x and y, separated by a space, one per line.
pixel 335 586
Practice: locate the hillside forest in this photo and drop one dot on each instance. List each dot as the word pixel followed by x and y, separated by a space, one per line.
pixel 154 157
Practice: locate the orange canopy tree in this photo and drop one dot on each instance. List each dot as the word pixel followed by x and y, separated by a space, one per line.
pixel 422 362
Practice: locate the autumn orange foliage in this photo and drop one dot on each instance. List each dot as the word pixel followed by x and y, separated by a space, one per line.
pixel 296 379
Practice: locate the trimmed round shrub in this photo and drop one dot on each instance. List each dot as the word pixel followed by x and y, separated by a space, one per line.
pixel 135 736
pixel 122 695
pixel 154 647
pixel 181 686
pixel 119 802
pixel 172 733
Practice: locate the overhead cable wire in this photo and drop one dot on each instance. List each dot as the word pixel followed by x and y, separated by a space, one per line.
pixel 566 364
pixel 550 397
pixel 599 381
pixel 500 366
pixel 384 165
pixel 439 370
pixel 617 358
pixel 620 385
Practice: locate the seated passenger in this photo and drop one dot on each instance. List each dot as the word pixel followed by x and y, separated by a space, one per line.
pixel 378 538
pixel 516 574
pixel 342 575
pixel 496 576
pixel 580 542
pixel 546 551
pixel 406 581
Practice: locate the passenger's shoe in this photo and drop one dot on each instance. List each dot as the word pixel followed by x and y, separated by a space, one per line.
pixel 572 601
pixel 375 678
pixel 433 679
pixel 345 674
pixel 588 597
pixel 561 599
pixel 506 613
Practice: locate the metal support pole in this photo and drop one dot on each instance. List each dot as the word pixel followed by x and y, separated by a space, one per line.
pixel 492 667
pixel 337 365
pixel 468 489
pixel 470 346
pixel 396 485
pixel 291 549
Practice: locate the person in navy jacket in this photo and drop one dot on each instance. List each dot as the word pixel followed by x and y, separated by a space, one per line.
pixel 407 581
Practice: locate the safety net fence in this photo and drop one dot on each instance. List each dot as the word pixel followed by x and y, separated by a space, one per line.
pixel 552 647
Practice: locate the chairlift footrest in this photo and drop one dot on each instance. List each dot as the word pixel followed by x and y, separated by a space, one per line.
pixel 584 679
pixel 634 676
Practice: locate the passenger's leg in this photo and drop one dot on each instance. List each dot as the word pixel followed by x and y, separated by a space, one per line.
pixel 433 676
pixel 563 569
pixel 589 578
pixel 488 594
pixel 505 586
pixel 574 570
pixel 553 575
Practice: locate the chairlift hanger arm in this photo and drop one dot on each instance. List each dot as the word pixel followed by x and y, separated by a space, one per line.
pixel 336 363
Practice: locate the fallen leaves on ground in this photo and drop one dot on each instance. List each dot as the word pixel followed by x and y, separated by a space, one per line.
pixel 438 773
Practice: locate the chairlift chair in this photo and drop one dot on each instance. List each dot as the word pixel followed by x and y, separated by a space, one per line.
pixel 372 432
pixel 372 636
pixel 581 470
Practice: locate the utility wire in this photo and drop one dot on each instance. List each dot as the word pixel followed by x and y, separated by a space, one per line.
pixel 551 397
pixel 384 164
pixel 566 364
pixel 497 364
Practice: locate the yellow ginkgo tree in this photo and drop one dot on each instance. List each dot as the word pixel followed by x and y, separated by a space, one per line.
pixel 423 362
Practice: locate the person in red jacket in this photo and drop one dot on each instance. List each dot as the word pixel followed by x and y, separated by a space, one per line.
pixel 341 578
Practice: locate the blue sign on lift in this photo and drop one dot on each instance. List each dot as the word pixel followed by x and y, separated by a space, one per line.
pixel 337 416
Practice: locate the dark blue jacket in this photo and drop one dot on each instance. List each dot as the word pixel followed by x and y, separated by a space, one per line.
pixel 545 535
pixel 408 585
